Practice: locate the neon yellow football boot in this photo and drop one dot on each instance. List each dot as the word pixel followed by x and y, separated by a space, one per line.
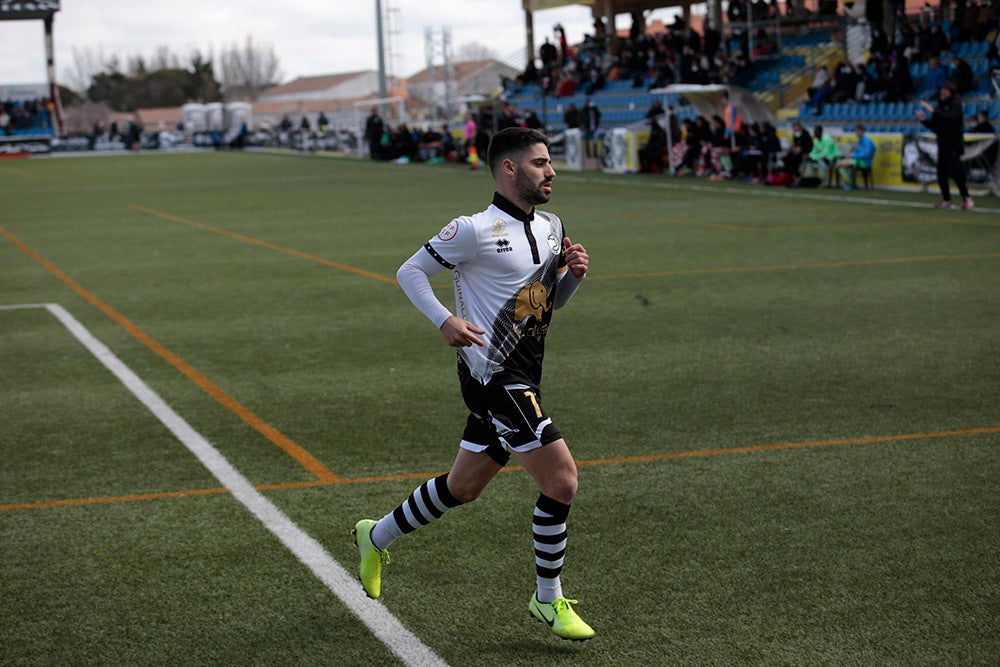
pixel 372 558
pixel 559 616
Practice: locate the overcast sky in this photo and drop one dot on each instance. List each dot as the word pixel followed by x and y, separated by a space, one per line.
pixel 309 37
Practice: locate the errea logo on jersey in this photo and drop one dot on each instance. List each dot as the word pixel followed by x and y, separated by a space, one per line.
pixel 503 245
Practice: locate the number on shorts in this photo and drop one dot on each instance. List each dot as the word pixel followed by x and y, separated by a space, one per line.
pixel 534 402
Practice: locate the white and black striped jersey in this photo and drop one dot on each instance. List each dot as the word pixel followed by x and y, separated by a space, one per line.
pixel 506 266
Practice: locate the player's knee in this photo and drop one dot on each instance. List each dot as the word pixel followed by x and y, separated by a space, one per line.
pixel 563 487
pixel 465 491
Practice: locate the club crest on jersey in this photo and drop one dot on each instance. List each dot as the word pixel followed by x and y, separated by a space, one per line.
pixel 448 232
pixel 499 228
pixel 554 245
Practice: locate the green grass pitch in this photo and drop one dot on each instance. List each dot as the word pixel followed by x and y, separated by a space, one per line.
pixel 784 405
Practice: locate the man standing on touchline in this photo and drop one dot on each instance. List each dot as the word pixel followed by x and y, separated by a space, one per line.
pixel 945 121
pixel 511 266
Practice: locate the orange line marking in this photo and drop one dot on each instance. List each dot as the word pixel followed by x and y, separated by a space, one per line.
pixel 113 499
pixel 264 244
pixel 18 172
pixel 792 445
pixel 798 267
pixel 592 462
pixel 300 455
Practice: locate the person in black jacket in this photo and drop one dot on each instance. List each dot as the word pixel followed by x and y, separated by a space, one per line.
pixel 947 123
pixel 800 148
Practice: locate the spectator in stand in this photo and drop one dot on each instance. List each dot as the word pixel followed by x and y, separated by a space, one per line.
pixel 824 154
pixel 566 86
pixel 945 121
pixel 508 117
pixel 880 41
pixel 821 90
pixel 595 80
pixel 899 86
pixel 549 55
pixel 720 160
pixel 937 74
pixel 770 145
pixel 750 165
pixel 982 124
pixel 532 121
pixel 821 79
pixel 845 83
pixel 861 158
pixel 937 42
pixel 651 154
pixel 4 122
pixel 571 117
pixel 684 154
pixel 655 110
pixel 590 123
pixel 731 116
pixel 703 131
pixel 374 127
pixel 960 74
pixel 799 149
pixel 448 148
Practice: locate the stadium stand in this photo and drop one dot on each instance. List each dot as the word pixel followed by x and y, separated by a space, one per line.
pixel 26 117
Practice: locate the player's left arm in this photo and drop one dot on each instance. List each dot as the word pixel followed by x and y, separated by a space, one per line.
pixel 577 263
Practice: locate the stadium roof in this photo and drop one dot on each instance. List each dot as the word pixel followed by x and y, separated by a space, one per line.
pixel 16 10
pixel 601 6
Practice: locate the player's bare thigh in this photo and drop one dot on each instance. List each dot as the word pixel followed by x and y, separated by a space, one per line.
pixel 553 469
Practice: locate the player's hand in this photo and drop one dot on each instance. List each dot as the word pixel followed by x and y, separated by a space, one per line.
pixel 577 258
pixel 459 333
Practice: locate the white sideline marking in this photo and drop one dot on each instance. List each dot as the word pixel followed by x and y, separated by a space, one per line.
pixel 386 627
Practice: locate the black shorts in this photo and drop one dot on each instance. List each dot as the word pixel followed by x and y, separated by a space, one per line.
pixel 505 415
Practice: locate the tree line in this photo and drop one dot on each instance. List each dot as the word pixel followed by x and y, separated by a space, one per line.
pixel 166 80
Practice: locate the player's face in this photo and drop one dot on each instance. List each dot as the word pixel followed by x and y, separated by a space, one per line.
pixel 533 179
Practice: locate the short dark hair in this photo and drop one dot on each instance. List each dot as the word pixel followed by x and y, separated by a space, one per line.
pixel 512 140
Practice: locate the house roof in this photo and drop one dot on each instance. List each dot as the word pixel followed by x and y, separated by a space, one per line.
pixel 309 84
pixel 462 70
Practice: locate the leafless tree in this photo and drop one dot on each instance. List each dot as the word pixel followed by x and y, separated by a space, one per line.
pixel 86 64
pixel 474 52
pixel 246 70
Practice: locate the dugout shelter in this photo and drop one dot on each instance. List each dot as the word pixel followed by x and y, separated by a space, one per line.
pixel 45 11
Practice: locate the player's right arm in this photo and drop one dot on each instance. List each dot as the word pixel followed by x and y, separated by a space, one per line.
pixel 414 277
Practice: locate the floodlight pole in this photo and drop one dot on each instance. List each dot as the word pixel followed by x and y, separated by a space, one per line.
pixel 382 90
pixel 50 66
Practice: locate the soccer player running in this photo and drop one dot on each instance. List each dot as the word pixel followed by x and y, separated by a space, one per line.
pixel 511 265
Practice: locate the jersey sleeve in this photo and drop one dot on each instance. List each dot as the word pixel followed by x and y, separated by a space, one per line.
pixel 456 243
pixel 414 277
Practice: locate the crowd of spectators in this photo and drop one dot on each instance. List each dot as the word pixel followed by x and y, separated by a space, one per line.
pixel 25 116
pixel 679 54
pixel 886 74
